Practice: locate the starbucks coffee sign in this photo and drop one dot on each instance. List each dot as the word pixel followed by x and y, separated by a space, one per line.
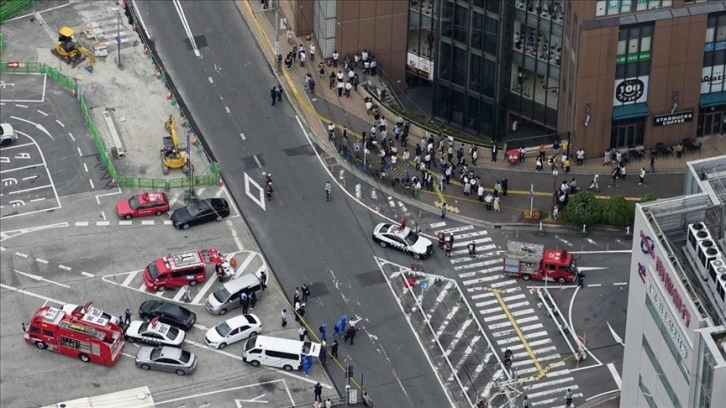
pixel 675 118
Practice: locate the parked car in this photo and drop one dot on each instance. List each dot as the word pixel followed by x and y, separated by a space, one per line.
pixel 199 212
pixel 150 203
pixel 169 313
pixel 233 330
pixel 154 333
pixel 404 239
pixel 7 134
pixel 169 359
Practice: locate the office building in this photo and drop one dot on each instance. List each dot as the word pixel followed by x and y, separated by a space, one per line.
pixel 675 339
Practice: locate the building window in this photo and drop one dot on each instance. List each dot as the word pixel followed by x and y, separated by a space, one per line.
pixel 461 23
pixel 668 339
pixel 550 10
pixel 614 7
pixel 477 30
pixel 659 372
pixel 704 382
pixel 714 55
pixel 646 393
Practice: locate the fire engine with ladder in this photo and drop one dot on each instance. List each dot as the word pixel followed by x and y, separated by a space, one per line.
pixel 531 261
pixel 84 333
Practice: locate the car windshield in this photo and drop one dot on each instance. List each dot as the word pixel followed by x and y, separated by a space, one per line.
pixel 134 202
pixel 223 329
pixel 221 294
pixel 153 271
pixel 144 327
pixel 411 238
pixel 196 208
pixel 155 353
pixel 250 343
pixel 185 356
pixel 173 333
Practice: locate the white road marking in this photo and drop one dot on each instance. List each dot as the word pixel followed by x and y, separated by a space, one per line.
pixel 60 123
pixel 30 189
pixel 21 106
pixel 129 278
pixel 260 199
pixel 91 181
pixel 620 283
pixel 41 112
pixel 103 223
pixel 65 268
pixel 211 81
pixel 125 222
pixel 615 375
pixel 226 109
pixel 242 135
pixel 72 138
pixel 147 222
pixel 594 285
pixel 40 278
pixel 79 152
pixel 35 200
pixel 40 260
pixel 25 292
pixel 81 223
pixel 21 254
pixel 169 222
pixel 20 168
pixel 90 275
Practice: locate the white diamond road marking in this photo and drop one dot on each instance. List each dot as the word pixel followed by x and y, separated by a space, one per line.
pixel 446 321
pixel 458 336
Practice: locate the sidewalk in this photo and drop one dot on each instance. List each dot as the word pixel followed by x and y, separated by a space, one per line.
pixel 326 106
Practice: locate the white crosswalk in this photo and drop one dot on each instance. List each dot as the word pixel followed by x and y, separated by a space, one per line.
pixel 480 276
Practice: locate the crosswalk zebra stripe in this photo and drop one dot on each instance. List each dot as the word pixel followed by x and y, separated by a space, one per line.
pixel 482 295
pixel 464 356
pixel 503 333
pixel 504 283
pixel 497 309
pixel 446 321
pixel 511 298
pixel 527 319
pixel 495 318
pixel 486 303
pixel 544 384
pixel 458 336
pixel 517 304
pixel 500 325
pixel 526 371
pixel 471 234
pixel 521 312
pixel 494 286
pixel 547 349
pixel 455 229
pixel 508 340
pixel 480 280
pixel 468 259
pixel 535 335
pixel 464 243
pixel 551 401
pixel 562 390
pixel 557 373
pixel 480 264
pixel 531 327
pixel 536 343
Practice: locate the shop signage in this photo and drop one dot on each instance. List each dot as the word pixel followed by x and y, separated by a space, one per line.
pixel 715 46
pixel 712 79
pixel 632 90
pixel 675 118
pixel 647 246
pixel 636 57
pixel 668 322
pixel 420 66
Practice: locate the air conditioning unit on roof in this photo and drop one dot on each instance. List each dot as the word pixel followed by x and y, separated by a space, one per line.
pixel 696 232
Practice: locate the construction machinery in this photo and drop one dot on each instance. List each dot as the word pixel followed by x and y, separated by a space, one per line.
pixel 70 51
pixel 172 156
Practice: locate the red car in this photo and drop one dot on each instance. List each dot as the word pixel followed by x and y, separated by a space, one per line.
pixel 143 204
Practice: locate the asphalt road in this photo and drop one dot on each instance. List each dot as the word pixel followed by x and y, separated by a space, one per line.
pixel 304 238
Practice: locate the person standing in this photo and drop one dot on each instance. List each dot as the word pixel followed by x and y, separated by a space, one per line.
pixel 278 91
pixel 283 317
pixel 443 210
pixel 568 398
pixel 253 300
pixel 642 176
pixel 121 323
pixel 341 85
pixel 312 52
pixel 273 94
pixel 652 164
pixel 494 153
pixel 127 317
pixel 318 390
pixel 244 301
pixel 323 353
pixel 302 332
pixel 496 204
pixel 323 331
pixel 350 334
pixel 348 87
pixel 335 58
pixel 307 365
pixel 305 292
pixel 580 280
pixel 302 59
pixel 263 280
pixel 334 349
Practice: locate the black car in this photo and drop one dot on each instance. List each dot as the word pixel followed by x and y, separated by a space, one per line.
pixel 199 212
pixel 168 313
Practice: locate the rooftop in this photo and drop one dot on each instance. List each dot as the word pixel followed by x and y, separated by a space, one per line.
pixel 704 200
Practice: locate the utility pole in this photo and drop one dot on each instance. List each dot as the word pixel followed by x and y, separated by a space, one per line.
pixel 277 35
pixel 118 35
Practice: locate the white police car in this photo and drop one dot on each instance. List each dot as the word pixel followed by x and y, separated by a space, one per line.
pixel 155 333
pixel 404 239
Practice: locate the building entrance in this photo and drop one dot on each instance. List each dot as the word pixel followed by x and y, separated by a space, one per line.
pixel 627 133
pixel 712 123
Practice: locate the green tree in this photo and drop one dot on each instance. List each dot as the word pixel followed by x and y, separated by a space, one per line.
pixel 648 197
pixel 584 208
pixel 618 211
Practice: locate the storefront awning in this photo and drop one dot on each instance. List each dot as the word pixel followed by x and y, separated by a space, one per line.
pixel 635 110
pixel 713 99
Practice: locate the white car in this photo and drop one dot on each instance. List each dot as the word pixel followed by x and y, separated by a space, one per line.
pixel 233 330
pixel 155 333
pixel 7 134
pixel 404 239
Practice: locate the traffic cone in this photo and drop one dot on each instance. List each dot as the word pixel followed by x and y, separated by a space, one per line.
pixel 221 182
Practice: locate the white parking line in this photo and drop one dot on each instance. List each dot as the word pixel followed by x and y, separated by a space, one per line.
pixel 32 166
pixel 60 123
pixel 30 189
pixel 41 279
pixel 65 268
pixel 81 223
pixel 21 254
pixel 25 292
pixel 40 260
pixel 90 275
pixel 615 375
pixel 147 222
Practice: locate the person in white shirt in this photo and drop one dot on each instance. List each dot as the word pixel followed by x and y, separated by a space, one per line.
pixel 335 58
pixel 312 52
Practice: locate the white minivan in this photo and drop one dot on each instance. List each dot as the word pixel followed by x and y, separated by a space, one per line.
pixel 276 352
pixel 226 297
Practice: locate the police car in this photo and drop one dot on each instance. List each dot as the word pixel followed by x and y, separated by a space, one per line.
pixel 155 333
pixel 404 239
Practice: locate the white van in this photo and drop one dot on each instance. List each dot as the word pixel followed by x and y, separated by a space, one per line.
pixel 226 297
pixel 276 352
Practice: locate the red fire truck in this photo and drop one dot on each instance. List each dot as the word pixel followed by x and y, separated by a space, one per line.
pixel 532 261
pixel 177 270
pixel 84 333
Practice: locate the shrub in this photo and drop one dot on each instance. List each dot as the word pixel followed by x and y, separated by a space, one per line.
pixel 584 208
pixel 618 211
pixel 648 197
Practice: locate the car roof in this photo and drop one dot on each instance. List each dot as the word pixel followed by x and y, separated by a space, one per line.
pixel 6 127
pixel 171 352
pixel 151 196
pixel 238 321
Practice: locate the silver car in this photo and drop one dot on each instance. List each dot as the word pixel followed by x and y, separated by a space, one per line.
pixel 169 359
pixel 7 134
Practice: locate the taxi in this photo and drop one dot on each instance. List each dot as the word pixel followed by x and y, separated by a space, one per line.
pixel 150 203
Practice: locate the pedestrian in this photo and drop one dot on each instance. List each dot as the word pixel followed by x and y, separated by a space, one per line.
pixel 253 300
pixel 348 87
pixel 302 59
pixel 580 156
pixel 505 186
pixel 336 55
pixel 307 365
pixel 318 390
pixel 296 297
pixel 580 279
pixel 623 173
pixel 323 329
pixel 283 317
pixel 312 52
pixel 263 280
pixel 340 85
pixel 278 90
pixel 556 212
pixel 652 164
pixel 494 153
pixel 595 184
pixel 440 179
pixel 480 193
pixel 615 174
pixel 525 402
pixel 328 404
pixel 302 332
pixel 244 301
pixel 273 94
pixel 642 176
pixel 443 210
pixel 323 353
pixel 474 154
pixel 350 334
pixel 366 400
pixel 305 292
pixel 496 204
pixel 538 165
pixel 334 349
pixel 121 323
pixel 297 307
pixel 289 60
pixel 338 328
pixel 448 246
pixel 127 317
pixel 187 297
pixel 355 81
pixel 568 398
pixel 472 249
pixel 290 35
pixel 488 201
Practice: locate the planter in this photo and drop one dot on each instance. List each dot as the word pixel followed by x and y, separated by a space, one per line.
pixel 535 215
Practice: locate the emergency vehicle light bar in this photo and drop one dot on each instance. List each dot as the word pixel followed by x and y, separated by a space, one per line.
pixel 88 330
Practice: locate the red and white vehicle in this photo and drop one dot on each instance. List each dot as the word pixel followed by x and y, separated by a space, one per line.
pixel 177 270
pixel 84 333
pixel 531 261
pixel 152 203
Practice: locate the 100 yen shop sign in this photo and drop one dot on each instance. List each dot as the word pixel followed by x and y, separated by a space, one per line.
pixel 629 90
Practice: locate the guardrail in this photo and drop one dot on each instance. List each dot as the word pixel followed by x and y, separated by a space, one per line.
pixel 115 178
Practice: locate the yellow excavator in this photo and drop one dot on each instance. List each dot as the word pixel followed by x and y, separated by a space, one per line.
pixel 70 51
pixel 172 156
